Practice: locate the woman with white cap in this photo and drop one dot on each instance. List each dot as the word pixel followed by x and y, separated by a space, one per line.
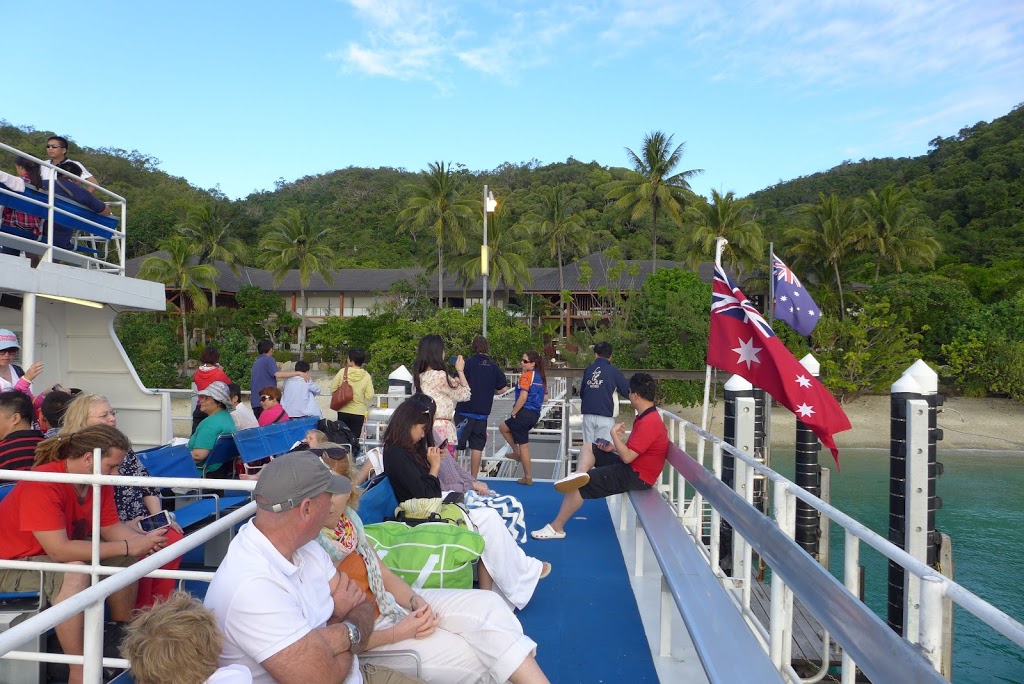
pixel 11 376
pixel 215 402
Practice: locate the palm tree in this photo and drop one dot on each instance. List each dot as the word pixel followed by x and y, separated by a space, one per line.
pixel 294 244
pixel 652 185
pixel 896 231
pixel 208 231
pixel 507 250
pixel 436 203
pixel 834 228
pixel 179 271
pixel 723 217
pixel 561 229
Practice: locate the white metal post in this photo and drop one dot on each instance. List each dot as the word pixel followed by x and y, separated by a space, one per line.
pixel 485 262
pixel 744 442
pixel 851 579
pixel 916 507
pixel 930 624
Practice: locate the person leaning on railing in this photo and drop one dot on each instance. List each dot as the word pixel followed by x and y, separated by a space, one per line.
pixel 52 521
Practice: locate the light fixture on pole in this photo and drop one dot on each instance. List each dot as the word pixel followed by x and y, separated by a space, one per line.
pixel 490 204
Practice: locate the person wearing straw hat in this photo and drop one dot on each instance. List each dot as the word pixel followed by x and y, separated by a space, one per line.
pixel 215 402
pixel 286 613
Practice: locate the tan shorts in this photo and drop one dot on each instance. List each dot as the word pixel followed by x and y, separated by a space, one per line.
pixel 12 580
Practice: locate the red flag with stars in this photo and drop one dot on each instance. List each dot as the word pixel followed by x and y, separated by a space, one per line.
pixel 742 342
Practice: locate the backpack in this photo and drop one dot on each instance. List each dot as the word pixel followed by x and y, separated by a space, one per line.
pixel 339 433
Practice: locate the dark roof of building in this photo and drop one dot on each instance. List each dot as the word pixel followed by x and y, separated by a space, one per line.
pixel 625 275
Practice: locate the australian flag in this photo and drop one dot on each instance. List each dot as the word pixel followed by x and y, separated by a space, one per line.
pixel 792 303
pixel 741 342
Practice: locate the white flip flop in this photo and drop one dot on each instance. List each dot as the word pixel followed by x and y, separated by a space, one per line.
pixel 570 483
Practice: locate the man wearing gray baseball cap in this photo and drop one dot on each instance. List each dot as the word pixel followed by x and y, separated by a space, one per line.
pixel 285 611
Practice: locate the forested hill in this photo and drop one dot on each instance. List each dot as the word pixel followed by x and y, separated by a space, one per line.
pixel 971 185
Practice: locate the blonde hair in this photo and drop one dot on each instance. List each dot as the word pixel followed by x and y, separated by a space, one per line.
pixel 319 435
pixel 76 444
pixel 345 467
pixel 77 415
pixel 174 642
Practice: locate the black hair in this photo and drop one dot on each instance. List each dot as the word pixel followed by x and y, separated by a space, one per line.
pixel 63 141
pixel 16 401
pixel 234 390
pixel 35 176
pixel 210 356
pixel 644 385
pixel 74 168
pixel 430 356
pixel 603 349
pixel 264 346
pixel 357 356
pixel 538 365
pixel 409 414
pixel 55 405
pixel 302 366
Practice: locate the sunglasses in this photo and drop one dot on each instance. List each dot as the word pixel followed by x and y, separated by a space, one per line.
pixel 335 453
pixel 265 398
pixel 53 147
pixel 527 361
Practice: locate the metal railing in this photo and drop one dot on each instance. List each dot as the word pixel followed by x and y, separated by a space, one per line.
pixel 116 203
pixel 866 641
pixel 92 599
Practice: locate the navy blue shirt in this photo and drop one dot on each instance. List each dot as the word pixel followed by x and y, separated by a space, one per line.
pixel 262 376
pixel 484 378
pixel 600 380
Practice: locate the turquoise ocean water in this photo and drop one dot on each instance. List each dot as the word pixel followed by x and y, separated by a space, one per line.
pixel 983 512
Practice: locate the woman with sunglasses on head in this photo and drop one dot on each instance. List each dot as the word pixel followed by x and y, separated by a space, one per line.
pixel 132 503
pixel 430 376
pixel 460 636
pixel 413 464
pixel 531 390
pixel 270 402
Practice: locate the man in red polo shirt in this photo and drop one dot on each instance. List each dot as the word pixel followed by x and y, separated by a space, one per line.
pixel 622 466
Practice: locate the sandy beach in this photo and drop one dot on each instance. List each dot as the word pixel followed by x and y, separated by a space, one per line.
pixel 967 423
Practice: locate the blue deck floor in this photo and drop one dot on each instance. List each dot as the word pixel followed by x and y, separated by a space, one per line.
pixel 583 616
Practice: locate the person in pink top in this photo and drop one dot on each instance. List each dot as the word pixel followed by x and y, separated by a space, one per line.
pixel 273 412
pixel 11 375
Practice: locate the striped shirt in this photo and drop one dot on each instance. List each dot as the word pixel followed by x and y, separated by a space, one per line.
pixel 18 449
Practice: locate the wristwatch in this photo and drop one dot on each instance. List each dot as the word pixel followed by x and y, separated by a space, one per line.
pixel 353 635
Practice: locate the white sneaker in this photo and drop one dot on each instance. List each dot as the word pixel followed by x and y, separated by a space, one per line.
pixel 571 483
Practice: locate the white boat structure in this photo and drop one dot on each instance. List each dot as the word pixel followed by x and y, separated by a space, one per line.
pixel 700 619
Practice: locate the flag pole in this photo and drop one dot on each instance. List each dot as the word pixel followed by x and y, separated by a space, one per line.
pixel 771 319
pixel 719 246
pixel 771 282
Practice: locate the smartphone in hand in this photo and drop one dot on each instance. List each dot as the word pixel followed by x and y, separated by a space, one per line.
pixel 155 521
pixel 444 444
pixel 602 442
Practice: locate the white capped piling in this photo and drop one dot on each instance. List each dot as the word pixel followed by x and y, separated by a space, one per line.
pixel 918 383
pixel 808 476
pixel 739 432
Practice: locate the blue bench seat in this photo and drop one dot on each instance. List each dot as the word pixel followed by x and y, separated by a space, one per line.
pixel 77 218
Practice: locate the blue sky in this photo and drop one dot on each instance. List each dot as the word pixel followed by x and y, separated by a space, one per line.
pixel 241 94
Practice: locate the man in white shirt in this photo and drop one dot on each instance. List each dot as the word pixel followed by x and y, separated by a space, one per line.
pixel 285 612
pixel 298 396
pixel 57 151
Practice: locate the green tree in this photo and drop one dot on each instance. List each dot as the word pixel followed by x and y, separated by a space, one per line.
pixel 653 185
pixel 207 229
pixel 294 244
pixel 508 251
pixel 561 229
pixel 723 217
pixel 896 231
pixel 178 271
pixel 833 228
pixel 437 204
